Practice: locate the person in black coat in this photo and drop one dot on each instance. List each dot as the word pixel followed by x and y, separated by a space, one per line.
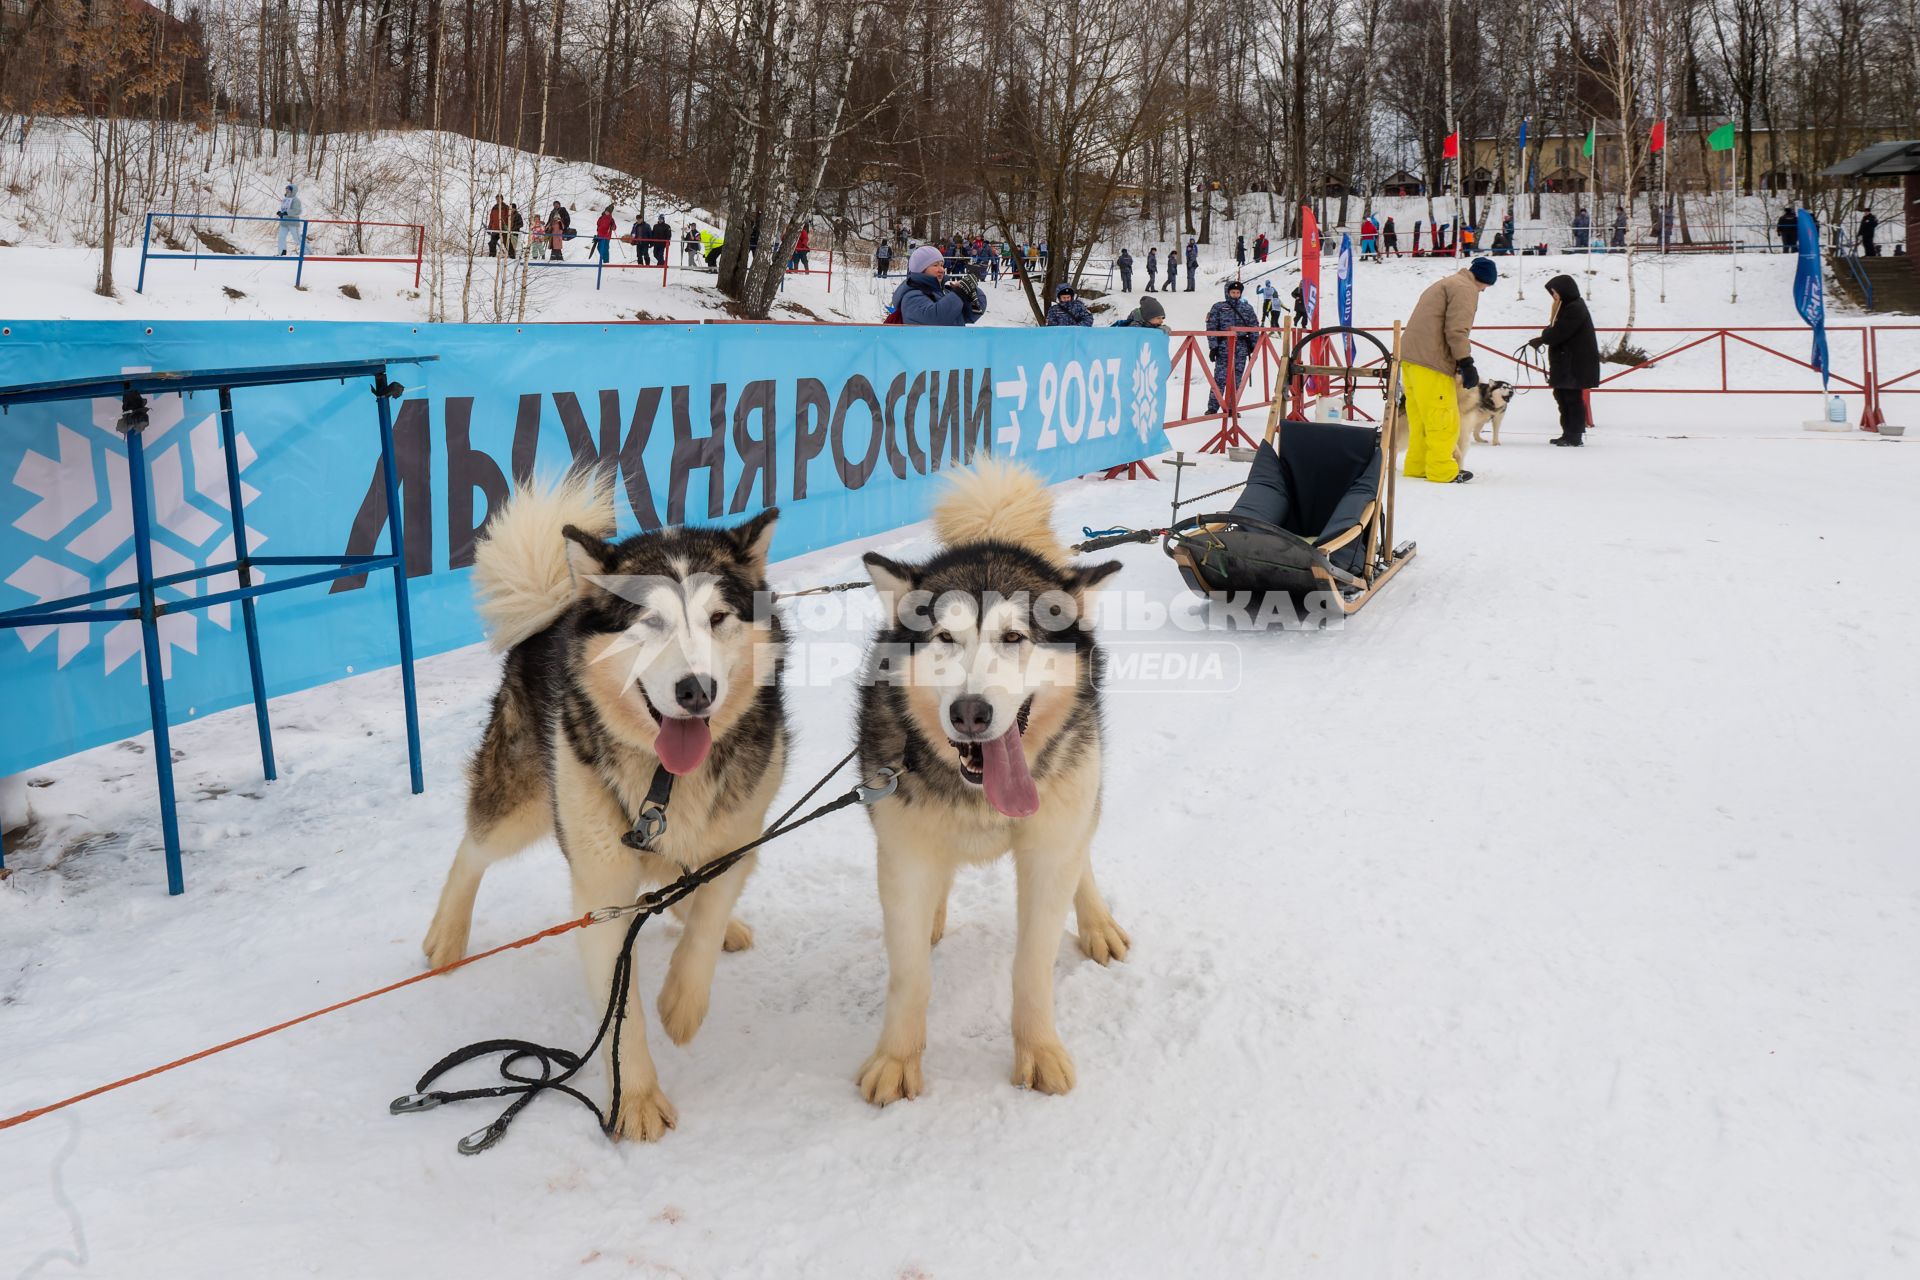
pixel 1573 357
pixel 1869 225
pixel 1788 229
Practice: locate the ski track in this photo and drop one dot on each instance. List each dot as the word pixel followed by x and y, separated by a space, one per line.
pixel 1553 918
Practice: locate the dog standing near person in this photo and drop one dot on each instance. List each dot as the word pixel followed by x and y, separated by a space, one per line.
pixel 1480 407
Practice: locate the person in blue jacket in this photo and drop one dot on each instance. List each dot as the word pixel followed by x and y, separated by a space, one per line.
pixel 1227 321
pixel 1067 309
pixel 929 296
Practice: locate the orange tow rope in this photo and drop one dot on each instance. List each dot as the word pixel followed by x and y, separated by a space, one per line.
pixel 529 940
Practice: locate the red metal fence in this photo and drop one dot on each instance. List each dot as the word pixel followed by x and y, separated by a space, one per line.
pixel 1680 360
pixel 1886 382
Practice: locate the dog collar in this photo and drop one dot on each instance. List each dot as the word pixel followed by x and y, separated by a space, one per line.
pixel 651 823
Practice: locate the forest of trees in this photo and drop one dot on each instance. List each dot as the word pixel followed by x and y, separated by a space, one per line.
pixel 1039 120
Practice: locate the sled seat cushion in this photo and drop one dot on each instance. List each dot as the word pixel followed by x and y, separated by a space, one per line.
pixel 1316 485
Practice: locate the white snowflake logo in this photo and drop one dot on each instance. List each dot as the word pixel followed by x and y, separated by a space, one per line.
pixel 83 515
pixel 1148 405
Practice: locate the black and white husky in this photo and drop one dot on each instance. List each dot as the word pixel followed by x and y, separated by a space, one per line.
pixel 624 658
pixel 982 682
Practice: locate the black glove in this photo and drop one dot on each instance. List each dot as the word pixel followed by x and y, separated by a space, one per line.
pixel 1469 376
pixel 1537 343
pixel 963 283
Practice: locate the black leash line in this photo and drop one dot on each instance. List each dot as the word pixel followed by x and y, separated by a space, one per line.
pixel 558 1067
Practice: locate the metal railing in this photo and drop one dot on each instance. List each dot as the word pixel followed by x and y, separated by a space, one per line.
pixel 299 259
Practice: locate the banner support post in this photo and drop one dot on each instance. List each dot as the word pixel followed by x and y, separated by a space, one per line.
pixel 146 235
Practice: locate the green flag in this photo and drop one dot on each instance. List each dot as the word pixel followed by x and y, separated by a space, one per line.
pixel 1586 148
pixel 1721 139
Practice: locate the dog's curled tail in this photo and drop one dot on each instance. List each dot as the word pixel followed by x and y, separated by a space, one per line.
pixel 995 501
pixel 521 578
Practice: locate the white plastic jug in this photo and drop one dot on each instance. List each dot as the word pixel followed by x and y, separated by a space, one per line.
pixel 1836 409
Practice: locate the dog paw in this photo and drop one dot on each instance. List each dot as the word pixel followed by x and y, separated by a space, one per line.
pixel 1103 940
pixel 739 936
pixel 886 1078
pixel 683 1006
pixel 645 1115
pixel 444 943
pixel 1044 1068
pixel 940 923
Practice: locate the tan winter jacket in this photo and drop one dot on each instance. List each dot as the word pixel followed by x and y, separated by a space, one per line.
pixel 1436 336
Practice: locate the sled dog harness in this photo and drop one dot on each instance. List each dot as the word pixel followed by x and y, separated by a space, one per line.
pixel 651 824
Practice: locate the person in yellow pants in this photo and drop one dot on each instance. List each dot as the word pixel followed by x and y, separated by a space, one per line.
pixel 1435 349
pixel 1433 424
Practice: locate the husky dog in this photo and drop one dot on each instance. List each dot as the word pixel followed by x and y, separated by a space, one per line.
pixel 624 659
pixel 1479 406
pixel 982 682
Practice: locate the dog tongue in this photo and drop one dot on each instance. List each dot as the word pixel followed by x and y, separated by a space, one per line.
pixel 1009 786
pixel 683 743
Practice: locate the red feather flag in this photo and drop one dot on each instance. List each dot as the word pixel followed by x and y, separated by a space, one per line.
pixel 1659 141
pixel 1450 149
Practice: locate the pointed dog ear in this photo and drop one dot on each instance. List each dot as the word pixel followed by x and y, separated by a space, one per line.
pixel 588 556
pixel 1084 580
pixel 752 539
pixel 891 579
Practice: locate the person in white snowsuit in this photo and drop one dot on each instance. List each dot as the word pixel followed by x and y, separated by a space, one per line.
pixel 289 215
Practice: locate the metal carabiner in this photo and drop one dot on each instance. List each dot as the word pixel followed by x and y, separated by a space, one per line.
pixel 647 828
pixel 480 1139
pixel 415 1102
pixel 875 792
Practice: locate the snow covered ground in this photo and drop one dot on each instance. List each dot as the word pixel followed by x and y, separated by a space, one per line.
pixel 1555 917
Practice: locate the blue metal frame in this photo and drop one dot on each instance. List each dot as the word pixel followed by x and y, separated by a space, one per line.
pixel 131 388
pixel 146 243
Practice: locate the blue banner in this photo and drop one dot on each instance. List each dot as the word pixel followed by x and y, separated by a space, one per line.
pixel 1809 291
pixel 845 428
pixel 1344 288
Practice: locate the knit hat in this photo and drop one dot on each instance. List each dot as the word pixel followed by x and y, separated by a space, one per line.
pixel 1484 271
pixel 1150 309
pixel 923 257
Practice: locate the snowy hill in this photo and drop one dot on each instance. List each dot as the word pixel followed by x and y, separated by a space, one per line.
pixel 49 215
